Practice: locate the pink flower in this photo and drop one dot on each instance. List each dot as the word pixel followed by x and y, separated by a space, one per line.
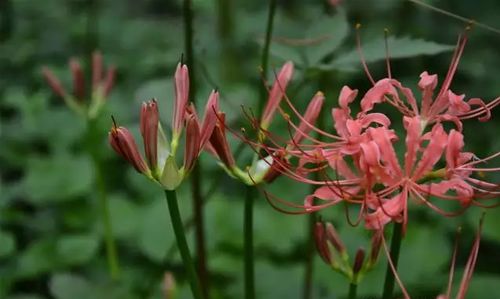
pixel 160 154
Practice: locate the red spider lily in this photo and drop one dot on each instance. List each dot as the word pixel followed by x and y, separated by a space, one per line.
pixel 367 170
pixel 161 165
pixel 100 89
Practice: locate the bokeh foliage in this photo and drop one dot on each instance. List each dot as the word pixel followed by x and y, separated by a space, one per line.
pixel 51 239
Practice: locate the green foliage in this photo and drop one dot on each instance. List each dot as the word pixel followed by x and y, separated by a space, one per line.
pixel 51 234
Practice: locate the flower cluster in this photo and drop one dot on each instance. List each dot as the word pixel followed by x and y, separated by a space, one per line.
pixel 359 163
pixel 161 164
pixel 78 100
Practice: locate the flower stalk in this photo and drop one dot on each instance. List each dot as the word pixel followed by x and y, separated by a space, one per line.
pixel 248 243
pixel 397 235
pixel 180 237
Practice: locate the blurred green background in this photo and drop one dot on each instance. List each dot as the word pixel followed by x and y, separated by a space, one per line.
pixel 51 237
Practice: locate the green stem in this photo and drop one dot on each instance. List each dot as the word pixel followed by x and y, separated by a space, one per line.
pixel 248 243
pixel 397 234
pixel 175 217
pixel 111 255
pixel 196 178
pixel 308 273
pixel 353 288
pixel 265 52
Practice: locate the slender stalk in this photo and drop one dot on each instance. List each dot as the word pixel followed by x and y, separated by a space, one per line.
pixel 265 52
pixel 248 243
pixel 353 289
pixel 196 178
pixel 111 255
pixel 308 272
pixel 397 234
pixel 175 217
pixel 198 218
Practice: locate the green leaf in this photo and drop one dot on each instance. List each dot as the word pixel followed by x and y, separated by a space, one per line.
pixel 8 244
pixel 125 219
pixel 399 47
pixel 155 233
pixel 77 249
pixel 329 32
pixel 38 258
pixel 57 178
pixel 70 286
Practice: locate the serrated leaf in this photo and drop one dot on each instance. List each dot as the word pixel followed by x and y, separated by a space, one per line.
pixel 76 249
pixel 57 178
pixel 330 31
pixel 399 47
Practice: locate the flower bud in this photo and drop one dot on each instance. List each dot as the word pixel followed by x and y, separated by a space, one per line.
pixel 219 143
pixel 321 244
pixel 192 149
pixel 358 261
pixel 78 79
pixel 123 143
pixel 334 238
pixel 149 132
pixel 53 82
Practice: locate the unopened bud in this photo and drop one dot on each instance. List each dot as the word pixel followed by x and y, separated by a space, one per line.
pixel 358 261
pixel 334 238
pixel 53 82
pixel 321 244
pixel 375 246
pixel 78 79
pixel 168 285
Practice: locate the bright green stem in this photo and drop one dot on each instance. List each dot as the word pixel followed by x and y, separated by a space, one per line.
pixel 111 255
pixel 265 51
pixel 353 289
pixel 248 243
pixel 175 217
pixel 397 235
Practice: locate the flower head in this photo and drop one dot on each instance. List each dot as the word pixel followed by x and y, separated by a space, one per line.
pixel 80 102
pixel 161 163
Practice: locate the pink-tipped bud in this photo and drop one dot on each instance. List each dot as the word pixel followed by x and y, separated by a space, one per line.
pixel 210 118
pixel 123 143
pixel 312 113
pixel 181 86
pixel 78 79
pixel 97 68
pixel 219 142
pixel 149 132
pixel 169 285
pixel 321 244
pixel 358 261
pixel 192 149
pixel 53 82
pixel 109 81
pixel 277 93
pixel 334 238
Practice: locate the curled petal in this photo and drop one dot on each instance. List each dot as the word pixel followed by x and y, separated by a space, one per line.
pixel 457 104
pixel 432 153
pixel 453 149
pixel 427 84
pixel 377 93
pixel 346 97
pixel 390 210
pixel 413 129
